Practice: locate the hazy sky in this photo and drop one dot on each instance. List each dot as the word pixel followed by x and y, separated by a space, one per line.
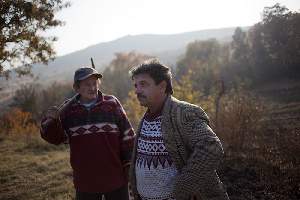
pixel 89 22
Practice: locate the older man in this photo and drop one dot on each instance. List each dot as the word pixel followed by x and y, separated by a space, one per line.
pixel 100 137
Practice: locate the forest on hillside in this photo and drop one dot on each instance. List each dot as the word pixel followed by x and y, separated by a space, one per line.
pixel 249 87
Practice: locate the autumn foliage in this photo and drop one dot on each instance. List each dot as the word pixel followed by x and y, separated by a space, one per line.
pixel 18 122
pixel 260 134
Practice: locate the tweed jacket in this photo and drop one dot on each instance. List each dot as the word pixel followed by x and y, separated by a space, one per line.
pixel 194 148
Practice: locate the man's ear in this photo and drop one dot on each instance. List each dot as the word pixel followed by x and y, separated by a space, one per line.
pixel 75 87
pixel 163 86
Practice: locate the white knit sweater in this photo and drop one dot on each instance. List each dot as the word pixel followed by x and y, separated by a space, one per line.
pixel 154 168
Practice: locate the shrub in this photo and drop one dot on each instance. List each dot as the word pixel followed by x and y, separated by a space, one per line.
pixel 240 121
pixel 18 122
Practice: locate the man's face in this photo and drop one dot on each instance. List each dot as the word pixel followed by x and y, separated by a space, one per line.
pixel 148 93
pixel 88 89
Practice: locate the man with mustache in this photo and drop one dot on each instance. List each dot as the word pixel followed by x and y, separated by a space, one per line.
pixel 100 137
pixel 176 153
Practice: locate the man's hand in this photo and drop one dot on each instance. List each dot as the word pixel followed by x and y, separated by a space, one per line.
pixel 51 114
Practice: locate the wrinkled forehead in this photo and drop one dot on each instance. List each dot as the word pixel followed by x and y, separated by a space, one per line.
pixel 142 77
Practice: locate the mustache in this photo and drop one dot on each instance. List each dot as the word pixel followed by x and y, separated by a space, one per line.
pixel 140 96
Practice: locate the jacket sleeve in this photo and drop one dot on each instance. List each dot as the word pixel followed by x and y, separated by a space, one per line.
pixel 51 130
pixel 126 135
pixel 206 153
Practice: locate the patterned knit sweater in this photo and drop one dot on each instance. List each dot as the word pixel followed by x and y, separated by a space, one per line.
pixel 154 168
pixel 195 150
pixel 100 139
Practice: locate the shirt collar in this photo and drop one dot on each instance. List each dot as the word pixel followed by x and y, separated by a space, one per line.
pixel 151 116
pixel 98 100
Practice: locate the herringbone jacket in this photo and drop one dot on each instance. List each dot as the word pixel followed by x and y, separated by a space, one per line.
pixel 195 150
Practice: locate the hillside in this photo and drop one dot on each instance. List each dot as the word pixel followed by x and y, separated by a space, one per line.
pixel 283 98
pixel 166 47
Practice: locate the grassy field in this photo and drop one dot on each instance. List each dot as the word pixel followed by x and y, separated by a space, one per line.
pixel 32 169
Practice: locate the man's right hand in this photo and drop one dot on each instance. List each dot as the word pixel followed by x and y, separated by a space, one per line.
pixel 51 128
pixel 51 114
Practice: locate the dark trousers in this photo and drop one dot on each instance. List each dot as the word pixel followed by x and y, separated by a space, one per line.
pixel 119 194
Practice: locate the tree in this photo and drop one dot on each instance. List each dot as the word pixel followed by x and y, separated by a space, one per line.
pixel 281 36
pixel 239 67
pixel 240 46
pixel 133 109
pixel 205 59
pixel 275 43
pixel 183 89
pixel 116 78
pixel 22 23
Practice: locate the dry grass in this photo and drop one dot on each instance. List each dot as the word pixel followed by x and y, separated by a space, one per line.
pixel 32 169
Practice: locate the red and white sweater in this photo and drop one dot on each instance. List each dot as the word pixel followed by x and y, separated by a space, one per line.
pixel 100 139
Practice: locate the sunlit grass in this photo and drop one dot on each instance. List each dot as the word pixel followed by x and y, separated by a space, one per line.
pixel 32 169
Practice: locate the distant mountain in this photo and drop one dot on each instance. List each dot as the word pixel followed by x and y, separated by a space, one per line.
pixel 166 47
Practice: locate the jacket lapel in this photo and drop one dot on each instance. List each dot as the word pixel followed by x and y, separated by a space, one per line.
pixel 169 132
